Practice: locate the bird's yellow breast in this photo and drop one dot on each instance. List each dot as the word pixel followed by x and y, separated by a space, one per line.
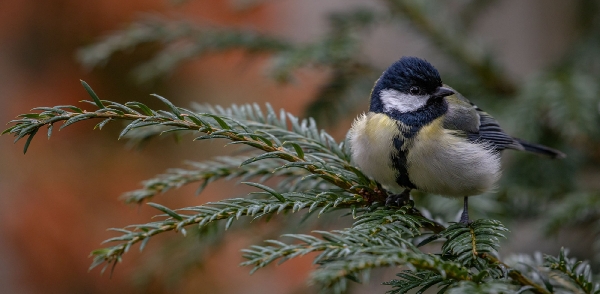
pixel 372 142
pixel 379 126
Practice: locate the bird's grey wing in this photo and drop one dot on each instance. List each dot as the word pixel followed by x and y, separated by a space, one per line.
pixel 462 115
pixel 476 124
pixel 491 132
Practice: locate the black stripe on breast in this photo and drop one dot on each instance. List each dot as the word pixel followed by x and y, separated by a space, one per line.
pixel 414 120
pixel 399 163
pixel 421 117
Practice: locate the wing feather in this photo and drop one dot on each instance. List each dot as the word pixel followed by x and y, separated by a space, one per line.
pixel 477 124
pixel 490 131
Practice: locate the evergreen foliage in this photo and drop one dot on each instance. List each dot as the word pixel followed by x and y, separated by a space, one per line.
pixel 379 237
pixel 313 172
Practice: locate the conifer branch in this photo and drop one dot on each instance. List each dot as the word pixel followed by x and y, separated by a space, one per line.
pixel 474 247
pixel 421 279
pixel 334 275
pixel 515 274
pixel 182 40
pixel 229 209
pixel 578 272
pixel 304 146
pixel 494 286
pixel 223 167
pixel 301 145
pixel 558 274
pixel 465 243
pixel 347 253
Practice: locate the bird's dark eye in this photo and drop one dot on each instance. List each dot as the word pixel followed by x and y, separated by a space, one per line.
pixel 415 90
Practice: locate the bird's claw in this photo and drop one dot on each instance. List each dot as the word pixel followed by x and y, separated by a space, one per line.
pixel 398 200
pixel 465 222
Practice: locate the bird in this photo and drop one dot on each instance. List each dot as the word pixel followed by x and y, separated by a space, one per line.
pixel 422 134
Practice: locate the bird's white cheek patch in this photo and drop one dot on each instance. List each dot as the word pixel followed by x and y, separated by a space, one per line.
pixel 394 100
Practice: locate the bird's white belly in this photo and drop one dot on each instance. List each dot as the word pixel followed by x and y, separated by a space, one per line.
pixel 441 163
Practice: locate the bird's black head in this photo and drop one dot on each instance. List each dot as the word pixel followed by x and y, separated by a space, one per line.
pixel 406 86
pixel 410 75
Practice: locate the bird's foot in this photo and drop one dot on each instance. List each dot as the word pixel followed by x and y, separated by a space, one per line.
pixel 464 220
pixel 464 217
pixel 398 200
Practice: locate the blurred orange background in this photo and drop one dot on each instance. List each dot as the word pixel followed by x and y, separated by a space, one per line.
pixel 58 200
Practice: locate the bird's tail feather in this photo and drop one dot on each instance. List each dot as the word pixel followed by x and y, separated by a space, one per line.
pixel 541 149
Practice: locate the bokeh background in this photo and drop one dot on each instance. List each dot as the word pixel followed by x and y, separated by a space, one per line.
pixel 534 65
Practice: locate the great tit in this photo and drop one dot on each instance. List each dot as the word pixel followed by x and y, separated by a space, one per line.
pixel 421 134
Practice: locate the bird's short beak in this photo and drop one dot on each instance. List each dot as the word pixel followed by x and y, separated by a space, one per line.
pixel 443 92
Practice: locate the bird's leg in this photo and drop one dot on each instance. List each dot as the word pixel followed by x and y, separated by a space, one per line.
pixel 464 217
pixel 398 200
